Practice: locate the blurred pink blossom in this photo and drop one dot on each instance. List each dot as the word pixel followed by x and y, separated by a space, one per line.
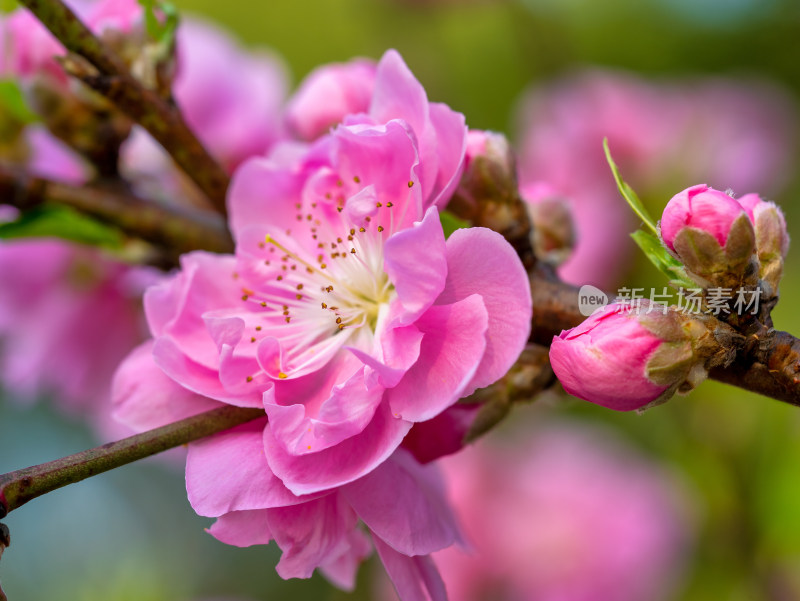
pixel 349 318
pixel 668 135
pixel 231 98
pixel 68 316
pixel 570 514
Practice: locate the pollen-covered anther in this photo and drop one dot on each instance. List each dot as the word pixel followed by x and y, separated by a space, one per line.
pixel 380 228
pixel 352 251
pixel 324 306
pixel 362 230
pixel 282 375
pixel 389 205
pixel 356 179
pixel 410 184
pixel 378 204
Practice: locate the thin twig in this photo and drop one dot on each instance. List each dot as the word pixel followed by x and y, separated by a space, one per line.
pixel 174 229
pixel 21 486
pixel 114 81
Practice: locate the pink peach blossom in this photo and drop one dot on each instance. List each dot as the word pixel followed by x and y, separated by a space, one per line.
pixel 328 94
pixel 349 318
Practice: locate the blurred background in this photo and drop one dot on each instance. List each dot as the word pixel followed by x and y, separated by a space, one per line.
pixel 691 501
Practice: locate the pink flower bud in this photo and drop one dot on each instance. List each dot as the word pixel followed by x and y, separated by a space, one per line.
pixel 328 94
pixel 623 359
pixel 702 208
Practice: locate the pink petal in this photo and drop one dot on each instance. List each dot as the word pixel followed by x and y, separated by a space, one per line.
pixel 144 397
pixel 452 348
pixel 311 534
pixel 349 460
pixel 201 379
pixel 451 146
pixel 405 504
pixel 345 413
pixel 480 261
pixel 258 193
pixel 383 158
pixel 341 571
pixel 228 472
pixel 174 309
pixel 414 578
pixel 416 264
pixel 242 528
pixel 397 351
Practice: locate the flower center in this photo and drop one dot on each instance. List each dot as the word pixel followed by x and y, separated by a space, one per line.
pixel 321 284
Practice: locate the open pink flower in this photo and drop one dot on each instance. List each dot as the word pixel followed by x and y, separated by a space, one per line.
pixel 346 315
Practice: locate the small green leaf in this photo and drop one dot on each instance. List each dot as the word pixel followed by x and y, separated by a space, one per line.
pixel 12 103
pixel 451 223
pixel 659 256
pixel 627 192
pixel 160 29
pixel 54 221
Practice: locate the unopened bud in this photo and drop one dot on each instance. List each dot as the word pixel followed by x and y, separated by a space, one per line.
pixel 488 195
pixel 627 358
pixel 712 236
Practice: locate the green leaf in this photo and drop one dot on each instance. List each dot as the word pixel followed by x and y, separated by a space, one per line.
pixel 660 257
pixel 451 223
pixel 627 192
pixel 54 221
pixel 161 19
pixel 12 103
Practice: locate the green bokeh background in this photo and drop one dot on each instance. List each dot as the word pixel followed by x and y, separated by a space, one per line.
pixel 132 535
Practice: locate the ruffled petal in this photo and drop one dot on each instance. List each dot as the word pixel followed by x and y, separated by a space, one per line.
pixel 347 461
pixel 404 503
pixel 144 397
pixel 311 534
pixel 203 380
pixel 416 263
pixel 480 261
pixel 345 413
pixel 175 308
pixel 452 348
pixel 228 472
